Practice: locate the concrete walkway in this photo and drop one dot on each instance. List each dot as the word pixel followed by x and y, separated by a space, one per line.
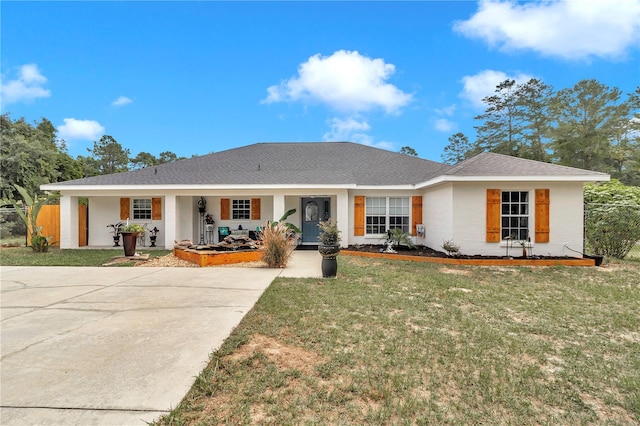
pixel 117 346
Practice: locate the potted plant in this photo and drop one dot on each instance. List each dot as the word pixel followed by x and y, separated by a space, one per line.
pixel 116 233
pixel 329 247
pixel 209 222
pixel 153 234
pixel 130 233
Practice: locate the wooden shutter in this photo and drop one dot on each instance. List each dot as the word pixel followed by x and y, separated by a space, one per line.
pixel 416 213
pixel 225 209
pixel 125 204
pixel 542 216
pixel 156 209
pixel 358 215
pixel 493 215
pixel 255 209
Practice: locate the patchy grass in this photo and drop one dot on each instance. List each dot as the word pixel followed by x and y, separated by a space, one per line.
pixel 392 342
pixel 24 256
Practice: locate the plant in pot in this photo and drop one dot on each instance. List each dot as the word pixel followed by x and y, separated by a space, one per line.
pixel 129 234
pixel 116 233
pixel 329 247
pixel 153 235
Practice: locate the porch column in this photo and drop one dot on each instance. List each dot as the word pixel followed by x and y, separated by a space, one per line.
pixel 170 221
pixel 342 216
pixel 68 222
pixel 278 206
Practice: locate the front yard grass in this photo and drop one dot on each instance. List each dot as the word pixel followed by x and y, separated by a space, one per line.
pixel 393 342
pixel 25 256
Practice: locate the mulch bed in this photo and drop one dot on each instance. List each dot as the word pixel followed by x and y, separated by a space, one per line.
pixel 424 251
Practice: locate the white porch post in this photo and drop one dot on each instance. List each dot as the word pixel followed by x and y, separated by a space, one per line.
pixel 170 221
pixel 342 216
pixel 68 222
pixel 278 206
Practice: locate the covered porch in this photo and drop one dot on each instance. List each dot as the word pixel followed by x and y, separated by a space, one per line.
pixel 182 215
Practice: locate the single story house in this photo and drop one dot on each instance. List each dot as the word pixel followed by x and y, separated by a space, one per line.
pixel 480 204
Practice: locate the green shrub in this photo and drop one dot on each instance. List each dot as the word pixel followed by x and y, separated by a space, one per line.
pixel 612 218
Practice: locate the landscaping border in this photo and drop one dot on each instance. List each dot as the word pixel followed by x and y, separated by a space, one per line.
pixel 212 258
pixel 476 262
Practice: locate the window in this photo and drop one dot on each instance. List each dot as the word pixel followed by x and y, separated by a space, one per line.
pixel 241 209
pixel 515 215
pixel 142 208
pixel 379 219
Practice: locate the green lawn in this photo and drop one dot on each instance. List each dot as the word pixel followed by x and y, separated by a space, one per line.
pixel 392 342
pixel 23 256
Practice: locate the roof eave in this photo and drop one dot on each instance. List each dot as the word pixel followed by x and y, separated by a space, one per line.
pixel 181 187
pixel 601 177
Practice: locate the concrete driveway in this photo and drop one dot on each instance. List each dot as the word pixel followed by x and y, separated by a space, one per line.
pixel 116 346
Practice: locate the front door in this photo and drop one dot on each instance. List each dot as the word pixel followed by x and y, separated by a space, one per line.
pixel 313 211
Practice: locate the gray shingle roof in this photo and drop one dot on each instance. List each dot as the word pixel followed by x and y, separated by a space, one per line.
pixel 304 163
pixel 491 164
pixel 322 163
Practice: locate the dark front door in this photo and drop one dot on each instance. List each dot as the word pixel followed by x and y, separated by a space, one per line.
pixel 313 211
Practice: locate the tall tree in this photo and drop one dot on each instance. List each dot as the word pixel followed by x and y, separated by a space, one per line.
pixel 168 157
pixel 587 117
pixel 28 155
pixel 533 98
pixel 142 160
pixel 407 150
pixel 110 156
pixel 459 149
pixel 501 128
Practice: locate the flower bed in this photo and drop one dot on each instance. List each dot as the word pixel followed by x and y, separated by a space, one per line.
pixel 426 254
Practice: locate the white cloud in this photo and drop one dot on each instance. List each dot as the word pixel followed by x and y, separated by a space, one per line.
pixel 444 125
pixel 448 110
pixel 122 100
pixel 483 84
pixel 568 29
pixel 345 81
pixel 25 88
pixel 80 129
pixel 352 129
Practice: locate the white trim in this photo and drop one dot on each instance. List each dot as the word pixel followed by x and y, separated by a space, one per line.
pixel 178 187
pixel 512 178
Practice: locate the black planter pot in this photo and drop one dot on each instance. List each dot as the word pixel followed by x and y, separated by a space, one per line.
pixel 116 240
pixel 329 266
pixel 329 261
pixel 129 243
pixel 153 240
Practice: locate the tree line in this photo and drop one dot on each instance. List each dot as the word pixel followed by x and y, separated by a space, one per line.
pixel 590 126
pixel 32 155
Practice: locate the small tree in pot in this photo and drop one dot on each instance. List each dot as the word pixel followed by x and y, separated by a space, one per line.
pixel 329 247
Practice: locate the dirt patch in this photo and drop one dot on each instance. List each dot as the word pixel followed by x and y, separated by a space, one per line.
pixel 284 356
pixel 455 271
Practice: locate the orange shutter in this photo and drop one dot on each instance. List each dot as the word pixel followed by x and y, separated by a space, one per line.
pixel 542 216
pixel 416 213
pixel 358 215
pixel 225 209
pixel 156 209
pixel 255 209
pixel 493 215
pixel 125 204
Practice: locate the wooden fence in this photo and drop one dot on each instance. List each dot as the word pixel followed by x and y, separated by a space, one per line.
pixel 49 219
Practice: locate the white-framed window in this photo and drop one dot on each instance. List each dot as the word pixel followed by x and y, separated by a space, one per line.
pixel 515 215
pixel 384 213
pixel 141 208
pixel 241 209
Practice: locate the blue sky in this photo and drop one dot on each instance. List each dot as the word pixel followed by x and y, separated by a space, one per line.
pixel 200 77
